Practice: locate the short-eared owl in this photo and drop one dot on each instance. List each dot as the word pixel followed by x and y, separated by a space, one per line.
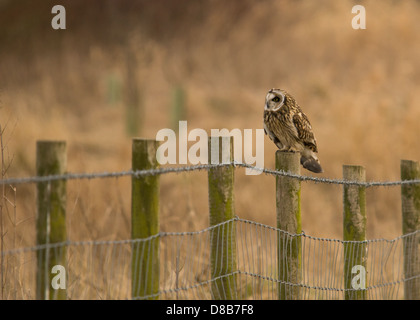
pixel 289 128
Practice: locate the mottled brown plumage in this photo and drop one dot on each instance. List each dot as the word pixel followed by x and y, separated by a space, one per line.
pixel 289 128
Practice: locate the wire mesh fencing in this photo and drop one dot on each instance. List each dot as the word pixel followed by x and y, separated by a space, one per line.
pixel 232 259
pixel 104 269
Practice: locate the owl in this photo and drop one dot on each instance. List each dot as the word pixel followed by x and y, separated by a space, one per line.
pixel 289 128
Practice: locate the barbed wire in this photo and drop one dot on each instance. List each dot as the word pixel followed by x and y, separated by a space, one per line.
pixel 166 170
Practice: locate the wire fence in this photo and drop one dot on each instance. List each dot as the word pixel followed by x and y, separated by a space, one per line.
pixel 104 269
pixel 202 167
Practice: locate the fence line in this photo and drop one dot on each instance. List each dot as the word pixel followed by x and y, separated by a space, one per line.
pixel 320 256
pixel 233 258
pixel 162 234
pixel 201 167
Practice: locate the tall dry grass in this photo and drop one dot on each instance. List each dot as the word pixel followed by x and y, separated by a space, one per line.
pixel 358 87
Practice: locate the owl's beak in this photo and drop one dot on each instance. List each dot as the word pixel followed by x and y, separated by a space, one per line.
pixel 265 107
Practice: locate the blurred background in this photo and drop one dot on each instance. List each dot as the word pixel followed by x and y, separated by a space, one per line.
pixel 128 68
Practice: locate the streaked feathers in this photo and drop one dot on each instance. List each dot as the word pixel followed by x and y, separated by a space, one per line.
pixel 289 128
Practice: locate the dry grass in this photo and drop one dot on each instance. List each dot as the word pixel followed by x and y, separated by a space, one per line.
pixel 358 88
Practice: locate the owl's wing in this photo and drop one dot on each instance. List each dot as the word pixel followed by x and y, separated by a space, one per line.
pixel 304 130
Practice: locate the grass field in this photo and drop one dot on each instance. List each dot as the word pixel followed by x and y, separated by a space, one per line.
pixel 358 87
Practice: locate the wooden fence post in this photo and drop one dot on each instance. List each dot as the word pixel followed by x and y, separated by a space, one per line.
pixel 221 207
pixel 410 200
pixel 354 231
pixel 51 159
pixel 145 221
pixel 289 246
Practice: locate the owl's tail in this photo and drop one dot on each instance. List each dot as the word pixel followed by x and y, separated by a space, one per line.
pixel 311 163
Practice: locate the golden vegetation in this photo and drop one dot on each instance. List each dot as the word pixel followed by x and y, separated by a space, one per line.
pixel 358 87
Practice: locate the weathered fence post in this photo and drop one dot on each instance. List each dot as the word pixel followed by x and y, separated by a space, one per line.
pixel 221 206
pixel 289 246
pixel 145 221
pixel 410 200
pixel 354 232
pixel 51 159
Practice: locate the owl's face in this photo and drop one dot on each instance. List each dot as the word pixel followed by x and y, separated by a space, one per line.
pixel 274 99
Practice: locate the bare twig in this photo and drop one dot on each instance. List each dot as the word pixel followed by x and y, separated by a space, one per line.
pixel 4 203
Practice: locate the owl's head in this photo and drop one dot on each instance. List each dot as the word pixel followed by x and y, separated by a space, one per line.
pixel 274 99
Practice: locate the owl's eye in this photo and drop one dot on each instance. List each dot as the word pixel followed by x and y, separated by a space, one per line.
pixel 275 99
